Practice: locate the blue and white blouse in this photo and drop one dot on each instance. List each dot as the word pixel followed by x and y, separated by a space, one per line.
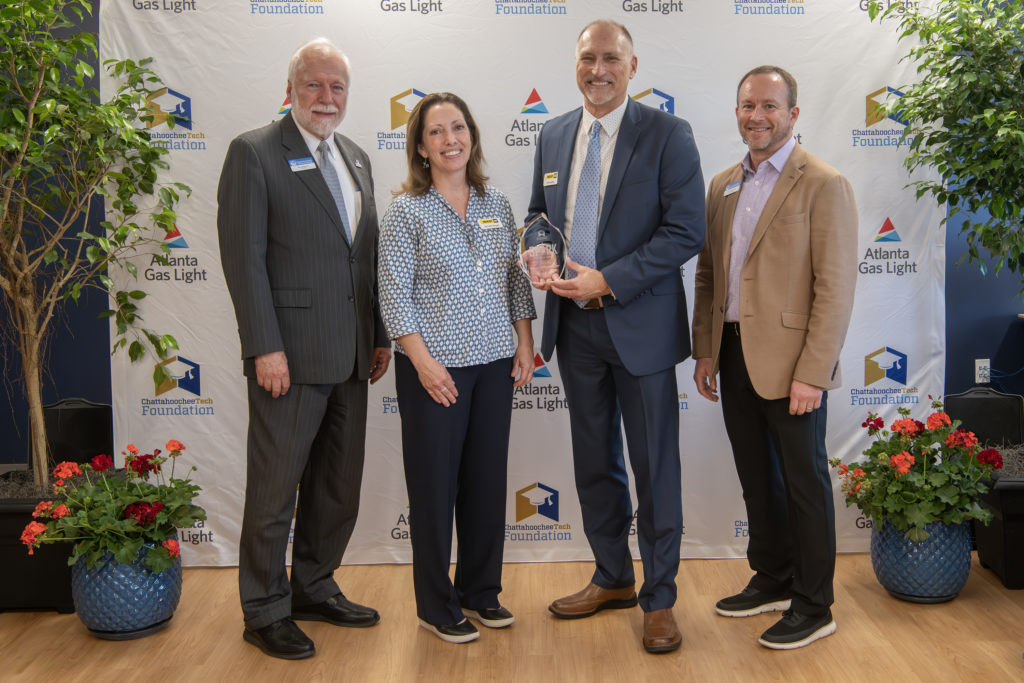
pixel 454 281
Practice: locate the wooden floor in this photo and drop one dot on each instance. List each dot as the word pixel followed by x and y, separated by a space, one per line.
pixel 979 636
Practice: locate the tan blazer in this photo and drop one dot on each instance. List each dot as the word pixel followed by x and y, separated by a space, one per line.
pixel 797 282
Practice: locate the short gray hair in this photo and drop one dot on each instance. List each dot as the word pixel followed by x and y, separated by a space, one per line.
pixel 319 46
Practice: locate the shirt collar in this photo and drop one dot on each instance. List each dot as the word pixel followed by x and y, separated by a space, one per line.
pixel 777 160
pixel 609 122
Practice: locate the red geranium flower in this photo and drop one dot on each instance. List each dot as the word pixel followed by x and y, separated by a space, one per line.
pixel 172 547
pixel 905 426
pixel 175 445
pixel 66 469
pixel 992 457
pixel 44 509
pixel 143 464
pixel 101 463
pixel 142 512
pixel 61 511
pixel 902 462
pixel 28 536
pixel 937 420
pixel 961 437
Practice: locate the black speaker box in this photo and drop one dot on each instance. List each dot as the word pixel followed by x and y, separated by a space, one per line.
pixel 994 417
pixel 77 430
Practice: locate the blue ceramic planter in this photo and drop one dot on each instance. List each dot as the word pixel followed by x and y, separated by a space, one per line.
pixel 933 570
pixel 119 601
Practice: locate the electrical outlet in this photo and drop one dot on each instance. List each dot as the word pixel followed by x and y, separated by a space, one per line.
pixel 982 371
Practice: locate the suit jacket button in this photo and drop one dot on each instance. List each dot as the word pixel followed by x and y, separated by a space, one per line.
pixel 351 259
pixel 351 298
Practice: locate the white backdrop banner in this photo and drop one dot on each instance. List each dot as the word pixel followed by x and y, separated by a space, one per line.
pixel 224 63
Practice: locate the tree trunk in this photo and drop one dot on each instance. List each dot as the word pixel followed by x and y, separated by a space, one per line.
pixel 32 373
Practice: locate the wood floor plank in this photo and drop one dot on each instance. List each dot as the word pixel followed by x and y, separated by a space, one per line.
pixel 978 637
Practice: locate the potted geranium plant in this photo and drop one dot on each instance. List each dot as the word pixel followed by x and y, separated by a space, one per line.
pixel 920 484
pixel 123 523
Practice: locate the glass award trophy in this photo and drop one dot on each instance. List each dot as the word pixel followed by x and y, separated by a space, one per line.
pixel 542 250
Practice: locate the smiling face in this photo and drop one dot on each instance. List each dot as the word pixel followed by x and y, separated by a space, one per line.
pixel 446 141
pixel 319 92
pixel 763 115
pixel 604 65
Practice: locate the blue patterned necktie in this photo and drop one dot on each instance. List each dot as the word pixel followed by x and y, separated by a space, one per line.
pixel 583 240
pixel 334 185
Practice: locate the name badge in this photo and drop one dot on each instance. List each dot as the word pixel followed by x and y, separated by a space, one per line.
pixel 489 223
pixel 551 178
pixel 304 164
pixel 732 187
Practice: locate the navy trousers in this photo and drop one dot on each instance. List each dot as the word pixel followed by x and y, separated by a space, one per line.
pixel 603 397
pixel 456 462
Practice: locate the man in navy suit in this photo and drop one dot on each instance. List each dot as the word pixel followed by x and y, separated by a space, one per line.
pixel 636 213
pixel 298 242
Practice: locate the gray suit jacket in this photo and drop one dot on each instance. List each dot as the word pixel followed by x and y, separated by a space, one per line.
pixel 296 284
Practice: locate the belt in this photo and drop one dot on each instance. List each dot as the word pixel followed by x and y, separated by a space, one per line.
pixel 732 327
pixel 593 304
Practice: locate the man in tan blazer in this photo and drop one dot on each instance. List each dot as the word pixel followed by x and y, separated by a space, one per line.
pixel 774 293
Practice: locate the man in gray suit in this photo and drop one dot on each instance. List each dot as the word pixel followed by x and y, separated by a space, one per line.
pixel 298 231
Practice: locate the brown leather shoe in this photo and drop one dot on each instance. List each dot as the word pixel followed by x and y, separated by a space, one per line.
pixel 660 631
pixel 592 600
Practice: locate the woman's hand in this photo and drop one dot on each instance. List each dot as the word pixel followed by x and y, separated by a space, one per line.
pixel 522 361
pixel 434 377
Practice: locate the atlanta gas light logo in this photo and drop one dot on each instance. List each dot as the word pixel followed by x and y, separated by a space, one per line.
pixel 653 6
pixel 423 7
pixel 538 500
pixel 171 397
pixel 179 266
pixel 525 130
pixel 887 256
pixel 172 6
pixel 539 396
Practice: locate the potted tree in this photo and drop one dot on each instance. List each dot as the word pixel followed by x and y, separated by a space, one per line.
pixel 965 117
pixel 62 151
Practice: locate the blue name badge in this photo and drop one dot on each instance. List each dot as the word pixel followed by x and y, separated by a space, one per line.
pixel 304 164
pixel 732 187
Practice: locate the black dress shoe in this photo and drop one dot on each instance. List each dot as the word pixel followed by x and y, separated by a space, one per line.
pixel 282 639
pixel 337 610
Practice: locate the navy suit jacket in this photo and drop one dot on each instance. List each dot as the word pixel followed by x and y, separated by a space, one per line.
pixel 651 223
pixel 297 285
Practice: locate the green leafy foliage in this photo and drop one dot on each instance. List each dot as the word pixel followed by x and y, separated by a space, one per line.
pixel 61 150
pixel 966 117
pixel 118 511
pixel 917 472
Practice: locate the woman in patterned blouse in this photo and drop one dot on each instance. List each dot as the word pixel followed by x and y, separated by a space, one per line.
pixel 451 297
